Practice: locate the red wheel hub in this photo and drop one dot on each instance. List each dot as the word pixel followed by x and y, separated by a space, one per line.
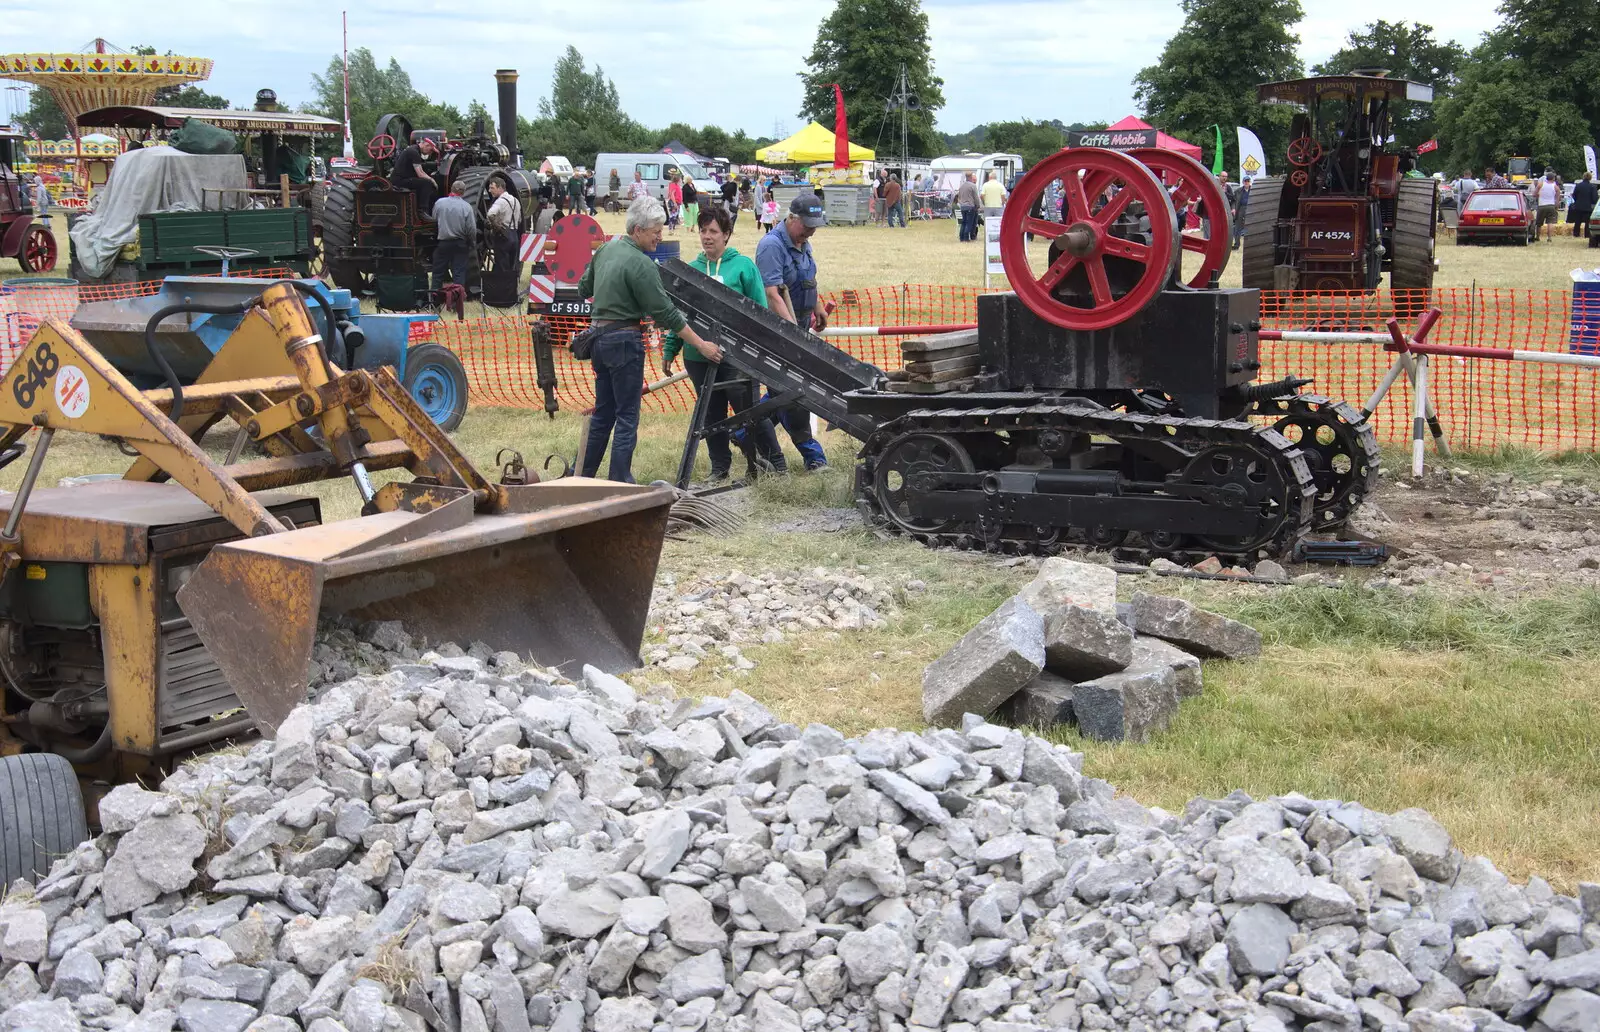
pixel 380 147
pixel 1305 152
pixel 1191 183
pixel 1299 178
pixel 39 250
pixel 576 237
pixel 1099 185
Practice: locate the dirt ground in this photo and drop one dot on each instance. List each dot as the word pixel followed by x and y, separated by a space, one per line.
pixel 1456 527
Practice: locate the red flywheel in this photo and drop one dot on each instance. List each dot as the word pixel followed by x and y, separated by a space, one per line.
pixel 1099 185
pixel 1189 181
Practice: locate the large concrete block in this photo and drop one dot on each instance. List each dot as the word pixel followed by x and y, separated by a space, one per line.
pixel 1149 653
pixel 1063 582
pixel 1127 706
pixel 1045 701
pixel 1082 643
pixel 991 663
pixel 1200 632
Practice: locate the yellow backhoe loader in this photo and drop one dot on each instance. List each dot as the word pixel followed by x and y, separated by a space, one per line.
pixel 146 617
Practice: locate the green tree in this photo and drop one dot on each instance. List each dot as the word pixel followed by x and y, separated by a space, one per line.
pixel 190 96
pixel 1209 70
pixel 1497 112
pixel 862 46
pixel 578 95
pixel 1409 52
pixel 44 116
pixel 1527 90
pixel 1557 43
pixel 374 92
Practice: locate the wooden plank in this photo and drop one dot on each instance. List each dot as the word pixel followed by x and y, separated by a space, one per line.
pixel 934 388
pixel 968 362
pixel 896 375
pixel 939 356
pixel 941 342
pixel 963 372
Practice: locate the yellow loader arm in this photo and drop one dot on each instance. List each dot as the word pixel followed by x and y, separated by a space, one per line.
pixel 560 572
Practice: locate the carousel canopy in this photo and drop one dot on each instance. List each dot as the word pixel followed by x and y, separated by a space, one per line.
pixel 288 123
pixel 93 145
pixel 102 76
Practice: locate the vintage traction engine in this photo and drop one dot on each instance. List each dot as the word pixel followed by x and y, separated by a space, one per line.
pixel 1108 400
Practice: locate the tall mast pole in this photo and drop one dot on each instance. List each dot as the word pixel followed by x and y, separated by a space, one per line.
pixel 349 144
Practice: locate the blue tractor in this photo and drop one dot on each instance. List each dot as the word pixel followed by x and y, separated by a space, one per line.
pixel 182 344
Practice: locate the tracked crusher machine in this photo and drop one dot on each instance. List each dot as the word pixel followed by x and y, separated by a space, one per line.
pixel 146 617
pixel 1108 400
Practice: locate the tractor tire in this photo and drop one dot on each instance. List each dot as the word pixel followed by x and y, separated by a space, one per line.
pixel 475 191
pixel 435 378
pixel 41 814
pixel 1416 218
pixel 339 230
pixel 1261 233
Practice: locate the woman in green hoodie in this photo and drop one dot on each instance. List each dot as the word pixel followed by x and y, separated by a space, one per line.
pixel 732 269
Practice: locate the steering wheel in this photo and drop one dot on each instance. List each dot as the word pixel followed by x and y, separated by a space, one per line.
pixel 1304 152
pixel 1299 177
pixel 380 147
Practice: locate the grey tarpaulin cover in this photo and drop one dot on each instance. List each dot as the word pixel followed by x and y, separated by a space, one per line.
pixel 149 180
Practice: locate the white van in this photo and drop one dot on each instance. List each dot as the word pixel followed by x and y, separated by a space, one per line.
pixel 653 170
pixel 980 165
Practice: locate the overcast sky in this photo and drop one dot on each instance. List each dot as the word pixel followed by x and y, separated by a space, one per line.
pixel 724 62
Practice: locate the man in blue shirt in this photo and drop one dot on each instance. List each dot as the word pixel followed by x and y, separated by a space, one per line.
pixel 789 273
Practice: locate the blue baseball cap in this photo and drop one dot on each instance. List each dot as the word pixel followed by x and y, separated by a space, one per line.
pixel 808 207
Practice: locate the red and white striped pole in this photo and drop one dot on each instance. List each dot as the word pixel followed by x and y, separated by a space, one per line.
pixel 895 331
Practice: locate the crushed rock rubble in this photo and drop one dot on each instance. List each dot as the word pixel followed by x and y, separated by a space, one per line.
pixel 463 843
pixel 708 620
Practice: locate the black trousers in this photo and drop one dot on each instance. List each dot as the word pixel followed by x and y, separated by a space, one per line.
pixel 452 256
pixel 427 192
pixel 724 403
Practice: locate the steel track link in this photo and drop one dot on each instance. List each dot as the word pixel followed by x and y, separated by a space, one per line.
pixel 1339 495
pixel 1191 435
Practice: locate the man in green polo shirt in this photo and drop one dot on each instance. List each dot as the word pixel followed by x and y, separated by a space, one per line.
pixel 626 287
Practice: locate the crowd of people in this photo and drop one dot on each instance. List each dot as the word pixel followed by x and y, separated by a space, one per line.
pixel 626 287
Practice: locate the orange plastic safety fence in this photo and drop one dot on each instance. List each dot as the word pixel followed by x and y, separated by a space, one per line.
pixel 1482 402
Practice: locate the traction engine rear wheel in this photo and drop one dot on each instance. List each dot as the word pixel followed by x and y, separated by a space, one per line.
pixel 1085 233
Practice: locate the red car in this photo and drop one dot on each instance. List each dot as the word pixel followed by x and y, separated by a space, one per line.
pixel 1496 215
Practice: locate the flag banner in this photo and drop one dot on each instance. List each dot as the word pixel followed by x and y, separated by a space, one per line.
pixel 841 132
pixel 1428 148
pixel 1252 159
pixel 1588 160
pixel 1216 159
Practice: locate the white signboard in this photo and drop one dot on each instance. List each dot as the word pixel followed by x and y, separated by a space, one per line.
pixel 992 265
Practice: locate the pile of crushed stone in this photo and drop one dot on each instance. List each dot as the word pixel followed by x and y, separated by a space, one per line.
pixel 454 841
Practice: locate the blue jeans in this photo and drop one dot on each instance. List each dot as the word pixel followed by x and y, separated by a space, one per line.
pixel 618 385
pixel 897 210
pixel 969 222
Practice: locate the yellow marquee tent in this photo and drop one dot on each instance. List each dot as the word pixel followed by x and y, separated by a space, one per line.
pixel 813 143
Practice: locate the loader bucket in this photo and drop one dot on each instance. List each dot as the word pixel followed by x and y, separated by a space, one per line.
pixel 564 578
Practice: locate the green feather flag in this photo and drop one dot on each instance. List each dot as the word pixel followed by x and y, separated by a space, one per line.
pixel 1216 160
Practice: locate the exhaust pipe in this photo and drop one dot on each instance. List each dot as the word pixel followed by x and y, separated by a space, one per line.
pixel 506 86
